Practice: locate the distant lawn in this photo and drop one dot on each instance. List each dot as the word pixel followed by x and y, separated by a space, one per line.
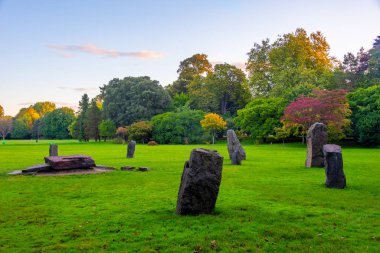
pixel 271 203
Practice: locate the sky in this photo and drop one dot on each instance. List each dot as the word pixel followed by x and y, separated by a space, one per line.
pixel 58 50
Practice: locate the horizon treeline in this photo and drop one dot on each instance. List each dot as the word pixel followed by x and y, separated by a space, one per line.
pixel 287 85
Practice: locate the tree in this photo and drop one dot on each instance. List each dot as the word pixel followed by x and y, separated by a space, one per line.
pixel 181 127
pixel 228 85
pixel 56 123
pixel 28 116
pixel 190 68
pixel 374 61
pixel 213 123
pixel 107 129
pixel 6 123
pixel 141 130
pixel 261 117
pixel 20 130
pixel 1 111
pixel 180 100
pixel 133 99
pixel 44 107
pixel 293 59
pixel 365 105
pixel 92 120
pixel 328 107
pixel 81 121
pixel 37 129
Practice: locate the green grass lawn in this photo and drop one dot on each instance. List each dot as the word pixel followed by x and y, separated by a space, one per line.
pixel 271 203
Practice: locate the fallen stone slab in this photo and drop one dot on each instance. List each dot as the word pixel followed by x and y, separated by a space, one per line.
pixel 127 168
pixel 335 177
pixel 70 162
pixel 144 169
pixel 93 170
pixel 16 172
pixel 200 182
pixel 36 168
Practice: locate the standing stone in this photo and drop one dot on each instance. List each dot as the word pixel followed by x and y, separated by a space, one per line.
pixel 200 182
pixel 335 177
pixel 131 149
pixel 235 149
pixel 316 138
pixel 53 150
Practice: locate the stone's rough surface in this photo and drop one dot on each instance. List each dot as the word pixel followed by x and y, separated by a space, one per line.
pixel 53 150
pixel 335 177
pixel 37 168
pixel 131 149
pixel 235 150
pixel 127 168
pixel 70 162
pixel 200 182
pixel 102 168
pixel 144 169
pixel 316 138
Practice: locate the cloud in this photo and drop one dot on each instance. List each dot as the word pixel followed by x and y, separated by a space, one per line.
pixel 67 50
pixel 81 90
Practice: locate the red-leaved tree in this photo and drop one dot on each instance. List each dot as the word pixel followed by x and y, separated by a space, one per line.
pixel 328 107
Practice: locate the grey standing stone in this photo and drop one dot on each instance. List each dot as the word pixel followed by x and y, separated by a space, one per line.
pixel 131 149
pixel 335 177
pixel 53 150
pixel 200 182
pixel 316 138
pixel 235 149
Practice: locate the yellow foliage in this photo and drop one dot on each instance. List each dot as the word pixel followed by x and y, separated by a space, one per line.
pixel 213 122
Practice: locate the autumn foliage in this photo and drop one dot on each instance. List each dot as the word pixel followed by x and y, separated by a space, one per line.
pixel 328 107
pixel 213 122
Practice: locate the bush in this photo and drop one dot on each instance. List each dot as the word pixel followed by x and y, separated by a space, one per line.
pixel 152 143
pixel 178 127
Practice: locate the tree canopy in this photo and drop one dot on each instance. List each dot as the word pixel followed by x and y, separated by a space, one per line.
pixel 133 99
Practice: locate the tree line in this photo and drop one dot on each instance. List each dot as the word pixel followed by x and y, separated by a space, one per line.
pixel 287 85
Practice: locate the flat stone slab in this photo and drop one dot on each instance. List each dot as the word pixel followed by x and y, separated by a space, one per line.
pixel 127 168
pixel 36 168
pixel 16 172
pixel 70 162
pixel 144 169
pixel 94 170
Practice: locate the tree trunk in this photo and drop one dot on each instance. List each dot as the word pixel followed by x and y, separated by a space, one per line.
pixel 223 106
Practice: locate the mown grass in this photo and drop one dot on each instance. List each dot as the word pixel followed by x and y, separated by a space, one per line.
pixel 271 203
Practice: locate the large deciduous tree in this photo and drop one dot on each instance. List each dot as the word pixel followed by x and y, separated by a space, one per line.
pixel 190 68
pixel 56 123
pixel 293 59
pixel 133 99
pixel 6 123
pixel 365 105
pixel 1 111
pixel 328 107
pixel 20 130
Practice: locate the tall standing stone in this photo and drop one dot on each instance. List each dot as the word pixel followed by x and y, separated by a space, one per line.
pixel 131 149
pixel 235 149
pixel 316 138
pixel 53 150
pixel 335 177
pixel 200 182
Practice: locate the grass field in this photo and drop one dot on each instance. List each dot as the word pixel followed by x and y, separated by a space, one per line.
pixel 271 203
